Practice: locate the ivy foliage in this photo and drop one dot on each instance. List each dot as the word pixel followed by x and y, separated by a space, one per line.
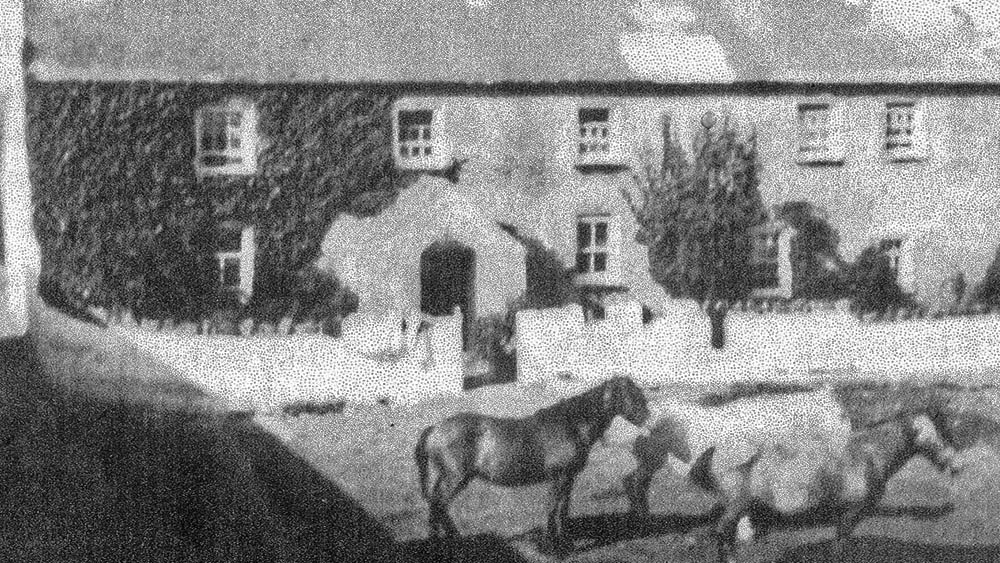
pixel 124 221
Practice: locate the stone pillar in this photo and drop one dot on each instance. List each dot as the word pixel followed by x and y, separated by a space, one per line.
pixel 21 253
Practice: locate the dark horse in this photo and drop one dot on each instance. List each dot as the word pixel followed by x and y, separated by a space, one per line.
pixel 784 481
pixel 551 445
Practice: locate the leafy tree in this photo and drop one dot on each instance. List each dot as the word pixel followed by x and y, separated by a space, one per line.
pixel 873 283
pixel 123 220
pixel 818 271
pixel 959 287
pixel 988 290
pixel 696 217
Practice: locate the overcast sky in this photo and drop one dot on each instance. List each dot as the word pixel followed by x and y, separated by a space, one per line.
pixel 662 40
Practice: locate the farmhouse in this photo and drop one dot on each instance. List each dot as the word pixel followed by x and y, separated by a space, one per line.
pixel 502 126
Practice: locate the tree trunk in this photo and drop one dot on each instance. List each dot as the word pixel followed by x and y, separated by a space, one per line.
pixel 717 316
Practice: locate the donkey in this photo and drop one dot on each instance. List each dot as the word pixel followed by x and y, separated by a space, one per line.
pixel 550 446
pixel 785 480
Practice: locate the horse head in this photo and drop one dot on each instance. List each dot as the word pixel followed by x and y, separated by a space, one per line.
pixel 622 397
pixel 929 431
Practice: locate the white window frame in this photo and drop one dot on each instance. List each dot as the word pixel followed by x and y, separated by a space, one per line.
pixel 238 155
pixel 593 135
pixel 419 145
pixel 766 250
pixel 830 148
pixel 591 249
pixel 245 257
pixel 902 146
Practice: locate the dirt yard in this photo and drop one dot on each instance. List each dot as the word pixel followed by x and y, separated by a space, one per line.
pixel 367 452
pixel 108 456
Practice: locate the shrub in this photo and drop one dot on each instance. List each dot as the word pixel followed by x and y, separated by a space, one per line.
pixel 873 284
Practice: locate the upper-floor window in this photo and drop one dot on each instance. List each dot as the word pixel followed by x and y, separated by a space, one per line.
pixel 592 244
pixel 893 250
pixel 818 133
pixel 416 139
pixel 814 128
pixel 903 135
pixel 594 130
pixel 226 137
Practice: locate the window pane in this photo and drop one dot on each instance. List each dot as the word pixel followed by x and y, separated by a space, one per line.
pixel 415 117
pixel 600 234
pixel 427 134
pixel 600 261
pixel 235 118
pixel 583 235
pixel 590 115
pixel 231 272
pixel 582 262
pixel 427 151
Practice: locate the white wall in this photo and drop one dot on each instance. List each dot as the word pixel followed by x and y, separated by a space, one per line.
pixel 774 347
pixel 267 373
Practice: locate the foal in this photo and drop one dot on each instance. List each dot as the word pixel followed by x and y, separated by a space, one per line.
pixel 784 480
pixel 551 445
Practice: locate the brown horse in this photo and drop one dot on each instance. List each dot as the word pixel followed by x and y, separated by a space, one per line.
pixel 783 480
pixel 551 445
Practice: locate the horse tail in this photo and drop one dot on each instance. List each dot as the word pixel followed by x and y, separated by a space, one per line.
pixel 701 471
pixel 422 458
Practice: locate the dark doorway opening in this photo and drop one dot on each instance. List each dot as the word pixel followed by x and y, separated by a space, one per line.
pixel 447 276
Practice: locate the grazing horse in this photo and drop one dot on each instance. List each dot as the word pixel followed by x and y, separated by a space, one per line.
pixel 682 431
pixel 551 445
pixel 783 480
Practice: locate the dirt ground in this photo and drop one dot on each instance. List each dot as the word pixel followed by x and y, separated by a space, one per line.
pixel 106 456
pixel 367 451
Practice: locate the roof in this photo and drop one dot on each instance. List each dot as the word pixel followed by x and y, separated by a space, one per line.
pixel 489 41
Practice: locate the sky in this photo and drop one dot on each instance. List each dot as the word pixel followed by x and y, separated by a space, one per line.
pixel 488 40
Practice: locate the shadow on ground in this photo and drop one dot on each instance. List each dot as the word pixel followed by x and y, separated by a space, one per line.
pixel 885 550
pixel 89 479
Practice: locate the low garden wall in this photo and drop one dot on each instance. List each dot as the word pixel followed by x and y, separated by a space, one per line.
pixel 267 373
pixel 825 344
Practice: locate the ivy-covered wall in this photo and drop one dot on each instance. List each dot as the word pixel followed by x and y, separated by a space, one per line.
pixel 123 219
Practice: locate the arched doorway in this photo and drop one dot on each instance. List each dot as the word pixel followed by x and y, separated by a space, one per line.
pixel 447 279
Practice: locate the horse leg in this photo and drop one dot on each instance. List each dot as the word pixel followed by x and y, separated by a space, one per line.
pixel 637 489
pixel 649 460
pixel 845 527
pixel 559 511
pixel 725 531
pixel 446 488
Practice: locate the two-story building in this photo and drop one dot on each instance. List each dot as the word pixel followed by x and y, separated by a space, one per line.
pixel 544 137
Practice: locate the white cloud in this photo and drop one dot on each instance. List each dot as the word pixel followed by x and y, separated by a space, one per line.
pixel 968 29
pixel 664 50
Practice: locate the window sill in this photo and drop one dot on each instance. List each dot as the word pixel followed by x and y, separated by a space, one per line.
pixel 225 170
pixel 423 163
pixel 906 155
pixel 828 158
pixel 597 279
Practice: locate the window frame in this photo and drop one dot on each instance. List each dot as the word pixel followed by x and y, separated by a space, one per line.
pixel 831 151
pixel 239 160
pixel 766 252
pixel 429 140
pixel 244 257
pixel 594 136
pixel 916 149
pixel 592 249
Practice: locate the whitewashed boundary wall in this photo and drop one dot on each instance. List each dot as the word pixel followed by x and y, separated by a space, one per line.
pixel 827 345
pixel 265 373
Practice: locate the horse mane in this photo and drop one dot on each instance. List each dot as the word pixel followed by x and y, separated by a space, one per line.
pixel 567 404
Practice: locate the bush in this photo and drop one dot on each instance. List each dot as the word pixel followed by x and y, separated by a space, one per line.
pixel 309 295
pixel 874 286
